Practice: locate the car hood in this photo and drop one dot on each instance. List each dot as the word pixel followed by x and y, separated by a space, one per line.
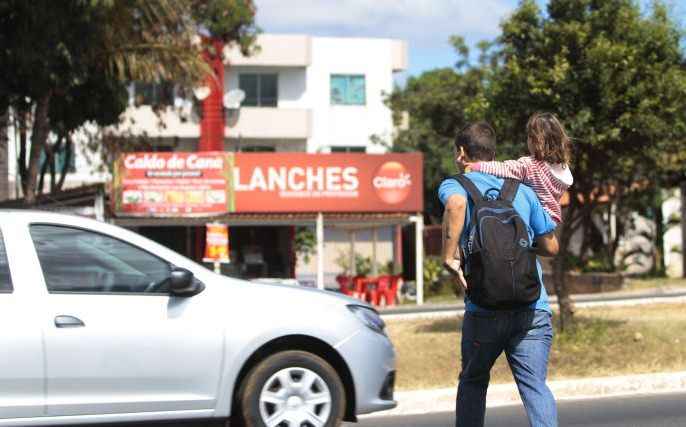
pixel 277 293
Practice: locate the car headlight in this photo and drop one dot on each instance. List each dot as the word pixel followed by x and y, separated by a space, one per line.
pixel 369 317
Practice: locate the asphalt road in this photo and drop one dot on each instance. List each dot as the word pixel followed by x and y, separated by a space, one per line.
pixel 665 410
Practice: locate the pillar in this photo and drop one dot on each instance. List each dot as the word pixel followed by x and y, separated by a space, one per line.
pixel 320 250
pixel 419 258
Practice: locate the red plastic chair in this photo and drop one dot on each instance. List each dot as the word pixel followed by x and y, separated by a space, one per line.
pixel 359 287
pixel 345 284
pixel 373 291
pixel 390 292
pixel 383 285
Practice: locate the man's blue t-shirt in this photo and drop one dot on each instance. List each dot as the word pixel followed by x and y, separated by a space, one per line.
pixel 526 203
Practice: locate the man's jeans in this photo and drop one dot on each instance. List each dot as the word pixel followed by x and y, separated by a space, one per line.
pixel 525 337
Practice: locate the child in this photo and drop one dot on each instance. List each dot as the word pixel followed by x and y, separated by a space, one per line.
pixel 546 170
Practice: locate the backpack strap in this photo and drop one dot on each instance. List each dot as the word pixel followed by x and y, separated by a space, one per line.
pixel 476 196
pixel 470 187
pixel 509 189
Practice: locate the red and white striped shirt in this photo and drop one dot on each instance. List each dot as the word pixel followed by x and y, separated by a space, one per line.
pixel 549 181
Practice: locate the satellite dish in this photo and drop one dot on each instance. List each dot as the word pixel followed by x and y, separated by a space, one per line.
pixel 233 98
pixel 201 92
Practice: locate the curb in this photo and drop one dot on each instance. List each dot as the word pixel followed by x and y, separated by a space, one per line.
pixel 443 400
pixel 459 310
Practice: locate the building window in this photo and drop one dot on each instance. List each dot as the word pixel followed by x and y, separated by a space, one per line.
pixel 261 90
pixel 348 90
pixel 153 93
pixel 348 149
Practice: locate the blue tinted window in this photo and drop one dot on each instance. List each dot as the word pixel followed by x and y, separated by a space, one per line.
pixel 75 260
pixel 348 90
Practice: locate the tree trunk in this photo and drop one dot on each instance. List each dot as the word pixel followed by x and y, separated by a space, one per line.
pixel 659 250
pixel 52 173
pixel 21 117
pixel 4 160
pixel 561 291
pixel 41 175
pixel 41 128
pixel 68 152
pixel 560 267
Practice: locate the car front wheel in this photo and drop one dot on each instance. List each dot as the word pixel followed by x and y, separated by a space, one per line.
pixel 292 389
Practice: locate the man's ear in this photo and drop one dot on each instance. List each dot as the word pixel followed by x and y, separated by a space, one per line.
pixel 461 155
pixel 460 158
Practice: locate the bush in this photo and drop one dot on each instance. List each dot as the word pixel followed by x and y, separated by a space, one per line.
pixel 437 280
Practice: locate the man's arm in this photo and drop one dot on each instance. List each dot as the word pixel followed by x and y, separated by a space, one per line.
pixel 453 224
pixel 547 245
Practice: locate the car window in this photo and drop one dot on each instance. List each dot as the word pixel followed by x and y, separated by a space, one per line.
pixel 5 277
pixel 76 260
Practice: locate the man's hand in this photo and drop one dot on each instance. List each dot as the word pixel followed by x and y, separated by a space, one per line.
pixel 547 245
pixel 455 268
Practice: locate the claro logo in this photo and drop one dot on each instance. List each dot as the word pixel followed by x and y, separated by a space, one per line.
pixel 392 182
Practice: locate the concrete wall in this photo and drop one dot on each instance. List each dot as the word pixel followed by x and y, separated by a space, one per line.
pixel 274 50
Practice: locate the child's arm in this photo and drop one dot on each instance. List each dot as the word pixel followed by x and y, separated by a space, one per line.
pixel 516 169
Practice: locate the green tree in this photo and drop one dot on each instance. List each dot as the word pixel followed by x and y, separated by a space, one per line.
pixel 438 103
pixel 614 76
pixel 64 63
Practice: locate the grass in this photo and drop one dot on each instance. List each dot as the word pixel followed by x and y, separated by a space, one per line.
pixel 665 283
pixel 632 285
pixel 606 341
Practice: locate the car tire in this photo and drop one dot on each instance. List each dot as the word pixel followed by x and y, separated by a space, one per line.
pixel 299 388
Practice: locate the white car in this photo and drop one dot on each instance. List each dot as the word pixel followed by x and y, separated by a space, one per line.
pixel 101 325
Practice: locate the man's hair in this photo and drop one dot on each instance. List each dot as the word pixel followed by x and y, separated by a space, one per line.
pixel 478 141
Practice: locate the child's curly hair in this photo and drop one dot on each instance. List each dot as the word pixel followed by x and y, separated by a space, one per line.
pixel 547 139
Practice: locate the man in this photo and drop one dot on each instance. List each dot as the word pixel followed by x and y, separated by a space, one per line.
pixel 524 334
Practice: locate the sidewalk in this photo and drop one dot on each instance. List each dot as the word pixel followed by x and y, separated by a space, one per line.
pixel 443 400
pixel 622 297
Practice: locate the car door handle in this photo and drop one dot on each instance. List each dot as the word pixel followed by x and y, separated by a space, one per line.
pixel 68 322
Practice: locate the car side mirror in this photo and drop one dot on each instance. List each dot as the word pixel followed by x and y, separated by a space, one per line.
pixel 182 283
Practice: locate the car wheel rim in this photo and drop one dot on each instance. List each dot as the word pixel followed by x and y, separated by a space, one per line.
pixel 295 397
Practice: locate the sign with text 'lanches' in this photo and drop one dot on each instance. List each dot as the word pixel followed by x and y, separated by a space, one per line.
pixel 201 184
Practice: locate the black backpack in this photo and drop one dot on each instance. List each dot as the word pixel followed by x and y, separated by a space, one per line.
pixel 500 265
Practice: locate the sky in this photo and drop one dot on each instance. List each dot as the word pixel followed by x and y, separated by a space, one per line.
pixel 425 24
